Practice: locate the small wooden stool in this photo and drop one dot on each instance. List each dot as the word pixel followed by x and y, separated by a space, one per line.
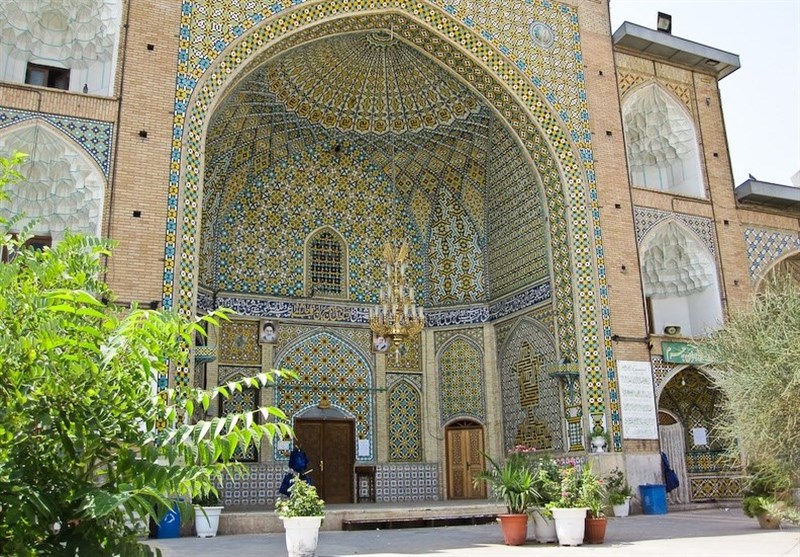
pixel 365 484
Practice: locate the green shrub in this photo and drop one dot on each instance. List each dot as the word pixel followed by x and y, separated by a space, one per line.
pixel 89 445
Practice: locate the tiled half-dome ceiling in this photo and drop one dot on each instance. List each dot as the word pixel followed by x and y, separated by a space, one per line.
pixel 365 134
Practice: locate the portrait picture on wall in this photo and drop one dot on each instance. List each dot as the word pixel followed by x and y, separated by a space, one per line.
pixel 268 331
pixel 380 344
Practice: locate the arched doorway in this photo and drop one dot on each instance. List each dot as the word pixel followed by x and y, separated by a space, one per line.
pixel 464 455
pixel 671 434
pixel 327 435
pixel 690 401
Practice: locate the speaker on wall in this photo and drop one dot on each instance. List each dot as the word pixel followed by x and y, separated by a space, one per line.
pixel 672 330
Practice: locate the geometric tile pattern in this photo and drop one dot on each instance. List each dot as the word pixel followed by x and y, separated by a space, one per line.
pixel 461 380
pixel 410 356
pixel 646 219
pixel 93 136
pixel 690 397
pixel 258 484
pixel 238 342
pixel 661 370
pixel 405 420
pixel 569 186
pixel 704 462
pixel 627 80
pixel 402 482
pixel 456 262
pixel 531 398
pixel 518 250
pixel 331 370
pixel 257 252
pixel 765 246
pixel 441 337
pixel 233 373
pixel 239 402
pixel 390 88
pixel 254 485
pixel 716 487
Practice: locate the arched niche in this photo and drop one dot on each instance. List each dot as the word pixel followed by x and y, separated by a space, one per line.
pixel 661 140
pixel 521 105
pixel 63 188
pixel 680 281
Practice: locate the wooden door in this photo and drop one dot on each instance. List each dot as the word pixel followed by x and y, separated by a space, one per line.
pixel 330 447
pixel 464 446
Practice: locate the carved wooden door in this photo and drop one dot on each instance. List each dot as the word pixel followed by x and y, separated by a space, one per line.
pixel 464 445
pixel 330 447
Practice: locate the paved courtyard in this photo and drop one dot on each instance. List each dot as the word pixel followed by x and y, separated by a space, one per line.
pixel 714 532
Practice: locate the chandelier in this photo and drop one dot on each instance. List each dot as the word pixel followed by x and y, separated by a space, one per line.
pixel 397 316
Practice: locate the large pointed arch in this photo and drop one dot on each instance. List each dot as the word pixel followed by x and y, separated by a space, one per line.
pixel 563 157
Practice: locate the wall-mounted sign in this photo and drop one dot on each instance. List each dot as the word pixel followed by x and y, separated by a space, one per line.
pixel 639 416
pixel 680 353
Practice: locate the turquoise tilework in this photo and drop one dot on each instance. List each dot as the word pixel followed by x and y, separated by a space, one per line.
pixel 765 246
pixel 461 380
pixel 331 368
pixel 200 50
pixel 93 136
pixel 405 417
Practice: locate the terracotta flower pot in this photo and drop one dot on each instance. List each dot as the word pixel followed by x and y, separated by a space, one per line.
pixel 768 522
pixel 595 531
pixel 515 528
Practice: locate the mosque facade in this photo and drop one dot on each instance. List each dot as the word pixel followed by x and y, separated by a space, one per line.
pixel 565 193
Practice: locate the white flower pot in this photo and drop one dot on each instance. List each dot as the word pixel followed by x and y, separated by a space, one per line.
pixel 206 524
pixel 623 509
pixel 599 444
pixel 302 534
pixel 544 528
pixel 570 525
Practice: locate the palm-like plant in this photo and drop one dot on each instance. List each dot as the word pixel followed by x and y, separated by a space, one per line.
pixel 513 482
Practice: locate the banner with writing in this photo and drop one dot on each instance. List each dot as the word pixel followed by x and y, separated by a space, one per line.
pixel 639 416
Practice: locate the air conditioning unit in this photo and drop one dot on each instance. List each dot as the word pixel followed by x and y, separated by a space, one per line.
pixel 672 330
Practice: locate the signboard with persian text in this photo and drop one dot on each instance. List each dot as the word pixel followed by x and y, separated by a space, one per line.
pixel 639 416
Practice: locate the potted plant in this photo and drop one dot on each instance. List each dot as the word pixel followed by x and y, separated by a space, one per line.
pixel 302 513
pixel 513 483
pixel 547 482
pixel 599 439
pixel 578 482
pixel 767 494
pixel 593 493
pixel 758 507
pixel 207 509
pixel 619 493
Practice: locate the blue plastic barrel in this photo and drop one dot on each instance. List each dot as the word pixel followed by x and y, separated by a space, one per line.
pixel 654 498
pixel 170 525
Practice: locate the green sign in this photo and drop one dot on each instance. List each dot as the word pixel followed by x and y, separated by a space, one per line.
pixel 680 353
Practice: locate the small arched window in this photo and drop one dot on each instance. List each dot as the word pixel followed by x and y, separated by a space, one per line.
pixel 326 265
pixel 661 140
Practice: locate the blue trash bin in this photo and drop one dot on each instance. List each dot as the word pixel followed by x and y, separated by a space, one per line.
pixel 170 525
pixel 654 498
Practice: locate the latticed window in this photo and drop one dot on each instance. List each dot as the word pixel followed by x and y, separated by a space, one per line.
pixel 326 265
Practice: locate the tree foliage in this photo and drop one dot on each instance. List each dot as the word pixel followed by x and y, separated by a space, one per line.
pixel 756 364
pixel 88 444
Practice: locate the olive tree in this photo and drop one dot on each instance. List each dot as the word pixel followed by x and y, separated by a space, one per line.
pixel 756 365
pixel 89 447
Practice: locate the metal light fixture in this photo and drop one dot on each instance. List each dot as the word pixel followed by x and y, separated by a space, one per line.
pixel 664 22
pixel 397 315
